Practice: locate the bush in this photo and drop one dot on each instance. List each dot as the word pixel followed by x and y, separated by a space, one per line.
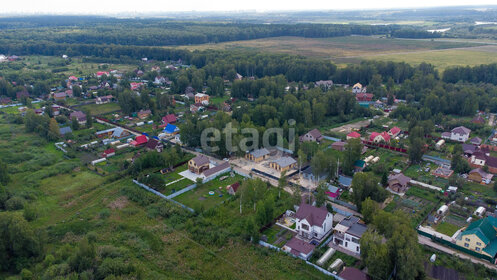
pixel 30 213
pixel 15 203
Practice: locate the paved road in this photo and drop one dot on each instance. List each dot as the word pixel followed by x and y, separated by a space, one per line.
pixel 423 240
pixel 491 120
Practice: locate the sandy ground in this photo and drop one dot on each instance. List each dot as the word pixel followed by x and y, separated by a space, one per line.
pixel 347 128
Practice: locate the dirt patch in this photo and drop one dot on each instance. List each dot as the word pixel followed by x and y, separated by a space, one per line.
pixel 119 203
pixel 347 128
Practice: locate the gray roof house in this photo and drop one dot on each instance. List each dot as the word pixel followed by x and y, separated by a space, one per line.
pixel 65 130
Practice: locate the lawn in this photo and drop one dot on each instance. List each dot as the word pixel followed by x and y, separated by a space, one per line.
pixel 200 195
pixel 429 195
pixel 101 109
pixel 447 228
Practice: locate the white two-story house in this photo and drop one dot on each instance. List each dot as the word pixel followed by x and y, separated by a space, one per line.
pixel 459 134
pixel 313 222
pixel 348 234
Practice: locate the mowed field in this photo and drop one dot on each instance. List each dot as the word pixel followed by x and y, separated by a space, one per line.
pixel 353 49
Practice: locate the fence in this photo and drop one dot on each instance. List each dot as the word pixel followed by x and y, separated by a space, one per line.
pixel 348 205
pixel 267 245
pixel 455 246
pixel 384 146
pixel 182 191
pixel 163 196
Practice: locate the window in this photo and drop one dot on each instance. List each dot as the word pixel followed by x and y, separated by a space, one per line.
pixel 346 244
pixel 306 227
pixel 357 249
pixel 355 240
pixel 478 243
pixel 467 239
pixel 477 249
pixel 466 245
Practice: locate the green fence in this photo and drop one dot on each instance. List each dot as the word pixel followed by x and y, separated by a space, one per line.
pixel 457 247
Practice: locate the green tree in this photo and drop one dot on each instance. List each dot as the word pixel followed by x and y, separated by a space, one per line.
pixel 369 209
pixel 352 153
pixel 53 130
pixel 321 194
pixel 4 173
pixel 76 91
pixel 282 182
pixel 384 179
pixel 84 257
pixel 74 124
pixel 365 186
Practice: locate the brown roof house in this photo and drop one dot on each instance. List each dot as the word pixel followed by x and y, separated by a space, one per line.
pixel 313 223
pixel 143 114
pixel 339 146
pixel 80 116
pixel 398 183
pixel 299 248
pixel 283 164
pixel 198 164
pixel 233 188
pixel 480 176
pixel 154 144
pixel 313 135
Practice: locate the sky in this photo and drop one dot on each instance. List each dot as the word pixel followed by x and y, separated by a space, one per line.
pixel 155 6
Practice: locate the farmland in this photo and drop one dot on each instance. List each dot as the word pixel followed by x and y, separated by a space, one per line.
pixel 353 49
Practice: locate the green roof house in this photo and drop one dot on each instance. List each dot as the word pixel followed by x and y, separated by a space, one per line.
pixel 480 236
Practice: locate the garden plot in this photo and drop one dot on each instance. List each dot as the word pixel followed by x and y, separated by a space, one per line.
pixel 416 203
pixel 277 236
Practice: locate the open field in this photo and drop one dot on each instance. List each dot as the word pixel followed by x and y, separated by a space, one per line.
pixel 100 109
pixel 349 46
pixel 442 59
pixel 353 49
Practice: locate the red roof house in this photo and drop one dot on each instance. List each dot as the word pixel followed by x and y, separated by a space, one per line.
pixel 394 131
pixel 171 118
pixel 379 137
pixel 109 152
pixel 364 97
pixel 353 135
pixel 139 141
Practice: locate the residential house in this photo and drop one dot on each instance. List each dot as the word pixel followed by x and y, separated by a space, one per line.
pixel 22 94
pixel 459 134
pixel 108 153
pixel 359 165
pixel 398 183
pixel 65 130
pixel 394 132
pixel 309 175
pixel 99 74
pixel 197 107
pixel 480 237
pixel 143 114
pixel 313 222
pixel 257 155
pixel 353 135
pixel 379 137
pixel 339 145
pixel 283 164
pixel 202 98
pixel 103 99
pixel 59 95
pixel 312 136
pixel 480 176
pixel 55 110
pixel 344 181
pixel 171 129
pixel 442 172
pixel 364 97
pixel 333 192
pixel 352 273
pixel 139 141
pixel 328 84
pixel 39 111
pixel 469 149
pixel 120 133
pixel 5 100
pixel 299 248
pixel 480 159
pixel 215 171
pixel 135 85
pixel 475 141
pixel 348 234
pixel 357 88
pixel 233 188
pixel 238 76
pixel 170 118
pixel 154 144
pixel 80 116
pixel 198 164
pixel 478 120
